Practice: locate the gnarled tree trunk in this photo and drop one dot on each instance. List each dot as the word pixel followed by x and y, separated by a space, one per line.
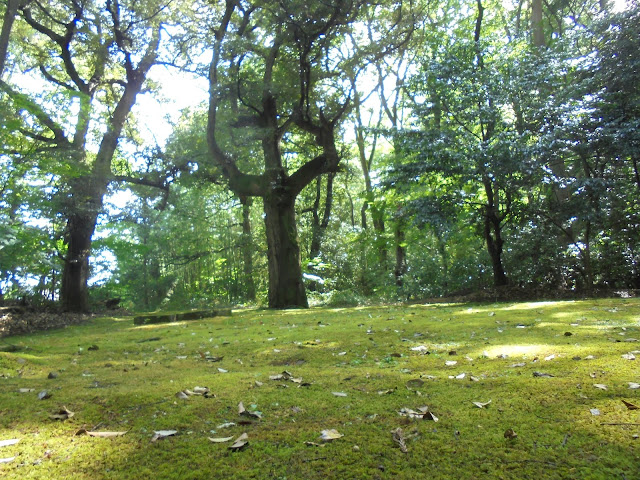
pixel 286 288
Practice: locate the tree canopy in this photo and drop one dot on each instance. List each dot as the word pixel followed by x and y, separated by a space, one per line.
pixel 347 150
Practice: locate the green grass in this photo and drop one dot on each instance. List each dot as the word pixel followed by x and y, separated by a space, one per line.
pixel 130 386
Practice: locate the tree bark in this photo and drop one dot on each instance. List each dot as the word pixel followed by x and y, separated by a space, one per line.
pixel 286 288
pixel 247 249
pixel 401 252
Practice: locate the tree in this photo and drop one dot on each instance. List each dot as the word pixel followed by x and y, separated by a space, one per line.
pixel 255 51
pixel 94 60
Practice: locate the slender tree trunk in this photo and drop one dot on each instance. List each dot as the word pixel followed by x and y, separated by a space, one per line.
pixel 493 235
pixel 286 289
pixel 401 252
pixel 7 24
pixel 537 27
pixel 247 249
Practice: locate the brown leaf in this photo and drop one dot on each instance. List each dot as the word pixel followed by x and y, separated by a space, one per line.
pixel 509 434
pixel 398 437
pixel 158 434
pixel 220 440
pixel 105 434
pixel 248 413
pixel 62 414
pixel 330 435
pixel 241 442
pixel 630 406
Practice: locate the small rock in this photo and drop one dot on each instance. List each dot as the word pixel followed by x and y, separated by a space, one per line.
pixel 52 375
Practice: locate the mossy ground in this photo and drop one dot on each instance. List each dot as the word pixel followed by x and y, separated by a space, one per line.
pixel 130 384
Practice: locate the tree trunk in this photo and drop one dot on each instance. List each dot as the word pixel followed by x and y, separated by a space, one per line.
pixel 247 249
pixel 401 252
pixel 493 237
pixel 286 289
pixel 74 291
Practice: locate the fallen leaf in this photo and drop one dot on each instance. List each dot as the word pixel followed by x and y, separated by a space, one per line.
pixel 509 434
pixel 220 440
pixel 451 363
pixel 213 359
pixel 481 404
pixel 516 365
pixel 313 444
pixel 420 348
pixel 594 411
pixel 105 434
pixel 330 435
pixel 415 383
pixel 241 442
pixel 386 392
pixel 7 460
pixel 26 390
pixel 222 370
pixel 461 376
pixel 600 386
pixel 543 375
pixel 226 425
pixel 43 395
pixel 182 396
pixel 62 414
pixel 630 406
pixel 339 394
pixel 398 437
pixel 634 386
pixel 6 443
pixel 550 357
pixel 629 356
pixel 248 413
pixel 158 434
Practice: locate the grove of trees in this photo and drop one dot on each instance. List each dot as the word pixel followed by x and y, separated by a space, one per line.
pixel 346 150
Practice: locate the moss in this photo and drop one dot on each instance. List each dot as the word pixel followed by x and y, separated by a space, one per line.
pixel 129 384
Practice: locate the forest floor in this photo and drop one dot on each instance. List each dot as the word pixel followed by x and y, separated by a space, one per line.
pixel 450 390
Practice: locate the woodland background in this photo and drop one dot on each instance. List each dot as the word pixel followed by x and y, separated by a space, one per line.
pixel 348 151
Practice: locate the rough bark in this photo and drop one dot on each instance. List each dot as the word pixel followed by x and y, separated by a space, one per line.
pixel 247 249
pixel 286 288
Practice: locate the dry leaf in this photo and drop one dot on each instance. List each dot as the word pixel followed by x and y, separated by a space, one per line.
pixel 43 395
pixel 182 396
pixel 313 444
pixel 594 411
pixel 248 413
pixel 415 383
pixel 451 363
pixel 509 434
pixel 226 425
pixel 634 386
pixel 629 356
pixel 330 435
pixel 543 375
pixel 481 404
pixel 6 443
pixel 398 437
pixel 516 365
pixel 339 394
pixel 420 348
pixel 105 434
pixel 158 434
pixel 220 440
pixel 241 442
pixel 26 390
pixel 62 414
pixel 461 376
pixel 550 357
pixel 600 386
pixel 630 406
pixel 7 460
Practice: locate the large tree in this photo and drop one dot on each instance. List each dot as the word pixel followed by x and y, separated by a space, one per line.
pixel 92 61
pixel 277 71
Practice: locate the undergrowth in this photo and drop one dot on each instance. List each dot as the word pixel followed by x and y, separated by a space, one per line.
pixel 549 379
